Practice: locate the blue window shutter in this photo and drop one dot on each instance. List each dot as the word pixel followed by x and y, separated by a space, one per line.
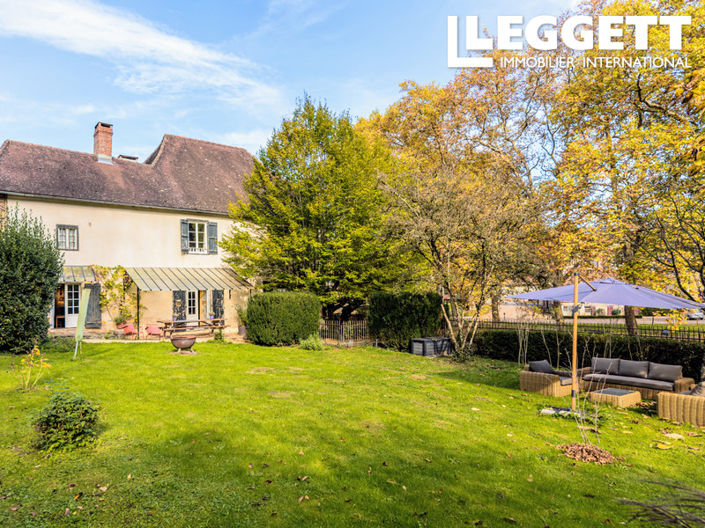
pixel 184 236
pixel 179 305
pixel 212 238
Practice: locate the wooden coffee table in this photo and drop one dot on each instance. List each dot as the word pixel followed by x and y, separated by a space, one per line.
pixel 616 397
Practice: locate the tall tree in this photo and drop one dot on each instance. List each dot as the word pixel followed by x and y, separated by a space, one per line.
pixel 626 131
pixel 314 215
pixel 463 186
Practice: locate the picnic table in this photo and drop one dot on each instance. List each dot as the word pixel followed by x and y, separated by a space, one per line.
pixel 191 325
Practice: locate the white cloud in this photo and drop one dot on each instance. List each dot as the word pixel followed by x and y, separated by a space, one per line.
pixel 148 58
pixel 250 140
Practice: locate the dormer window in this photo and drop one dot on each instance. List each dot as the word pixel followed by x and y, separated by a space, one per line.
pixel 67 237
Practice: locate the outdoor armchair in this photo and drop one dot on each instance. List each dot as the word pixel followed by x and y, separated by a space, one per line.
pixel 557 383
pixel 681 408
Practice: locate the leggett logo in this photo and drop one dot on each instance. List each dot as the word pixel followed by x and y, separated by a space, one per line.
pixel 576 32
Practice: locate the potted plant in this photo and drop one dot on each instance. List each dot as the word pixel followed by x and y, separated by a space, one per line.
pixel 242 316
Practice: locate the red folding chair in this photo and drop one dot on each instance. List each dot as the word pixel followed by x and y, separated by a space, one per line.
pixel 128 329
pixel 153 330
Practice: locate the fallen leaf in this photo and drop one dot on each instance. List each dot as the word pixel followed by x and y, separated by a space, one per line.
pixel 78 496
pixel 301 498
pixel 510 520
pixel 662 446
pixel 427 460
pixel 674 436
pixel 103 488
pixel 267 481
pixel 301 452
pixel 14 508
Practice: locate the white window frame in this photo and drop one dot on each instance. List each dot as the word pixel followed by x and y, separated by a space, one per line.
pixel 73 299
pixel 191 302
pixel 197 237
pixel 67 237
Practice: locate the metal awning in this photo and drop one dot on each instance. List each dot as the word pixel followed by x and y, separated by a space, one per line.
pixel 185 279
pixel 77 274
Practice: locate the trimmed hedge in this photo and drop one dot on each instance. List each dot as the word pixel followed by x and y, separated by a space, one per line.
pixel 504 344
pixel 395 318
pixel 282 318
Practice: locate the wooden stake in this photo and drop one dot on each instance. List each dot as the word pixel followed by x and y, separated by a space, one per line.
pixel 574 380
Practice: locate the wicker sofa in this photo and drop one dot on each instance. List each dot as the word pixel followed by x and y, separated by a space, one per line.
pixel 555 383
pixel 649 378
pixel 682 408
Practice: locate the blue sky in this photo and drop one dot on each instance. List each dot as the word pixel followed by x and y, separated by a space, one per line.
pixel 225 71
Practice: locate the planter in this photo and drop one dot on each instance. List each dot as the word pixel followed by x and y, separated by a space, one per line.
pixel 183 343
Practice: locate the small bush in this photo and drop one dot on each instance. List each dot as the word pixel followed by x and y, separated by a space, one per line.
pixel 218 336
pixel 282 318
pixel 312 342
pixel 395 318
pixel 67 422
pixel 61 345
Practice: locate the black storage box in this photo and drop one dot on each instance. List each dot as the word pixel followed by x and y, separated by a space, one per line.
pixel 430 346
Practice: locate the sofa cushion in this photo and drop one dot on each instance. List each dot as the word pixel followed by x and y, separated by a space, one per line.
pixel 633 369
pixel 646 383
pixel 605 366
pixel 566 381
pixel 663 372
pixel 541 366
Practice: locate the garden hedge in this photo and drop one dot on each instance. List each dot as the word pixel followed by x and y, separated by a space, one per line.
pixel 282 318
pixel 395 318
pixel 557 346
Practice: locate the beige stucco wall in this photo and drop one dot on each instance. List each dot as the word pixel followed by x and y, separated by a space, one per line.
pixel 124 236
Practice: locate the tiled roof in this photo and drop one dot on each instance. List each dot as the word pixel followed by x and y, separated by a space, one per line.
pixel 182 173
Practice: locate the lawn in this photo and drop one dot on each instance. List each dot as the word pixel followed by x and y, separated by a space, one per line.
pixel 240 435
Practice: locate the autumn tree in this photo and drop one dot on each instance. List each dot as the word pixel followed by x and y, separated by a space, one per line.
pixel 627 132
pixel 314 217
pixel 463 186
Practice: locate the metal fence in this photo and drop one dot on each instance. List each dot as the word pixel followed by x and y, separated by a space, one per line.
pixel 345 331
pixel 683 332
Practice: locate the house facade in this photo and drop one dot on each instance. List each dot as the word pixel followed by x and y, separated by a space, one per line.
pixel 160 220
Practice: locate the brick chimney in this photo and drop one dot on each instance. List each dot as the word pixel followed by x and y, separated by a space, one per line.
pixel 103 142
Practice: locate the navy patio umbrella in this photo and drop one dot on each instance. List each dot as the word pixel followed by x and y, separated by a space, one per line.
pixel 605 291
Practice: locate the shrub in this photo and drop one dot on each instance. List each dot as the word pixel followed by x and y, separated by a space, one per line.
pixel 312 342
pixel 282 318
pixel 504 344
pixel 218 336
pixel 30 266
pixel 395 318
pixel 69 421
pixel 59 345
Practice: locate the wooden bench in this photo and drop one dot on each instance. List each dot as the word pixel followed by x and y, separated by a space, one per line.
pixel 192 326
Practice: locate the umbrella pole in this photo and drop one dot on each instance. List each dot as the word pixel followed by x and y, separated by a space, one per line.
pixel 574 380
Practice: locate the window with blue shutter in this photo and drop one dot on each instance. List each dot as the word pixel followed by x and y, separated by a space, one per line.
pixel 184 236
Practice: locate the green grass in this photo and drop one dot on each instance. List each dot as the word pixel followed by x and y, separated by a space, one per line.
pixel 226 437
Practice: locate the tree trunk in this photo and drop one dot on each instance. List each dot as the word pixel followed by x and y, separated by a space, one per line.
pixel 496 298
pixel 630 320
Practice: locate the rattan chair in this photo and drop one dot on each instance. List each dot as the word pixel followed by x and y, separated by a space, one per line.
pixel 547 384
pixel 681 408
